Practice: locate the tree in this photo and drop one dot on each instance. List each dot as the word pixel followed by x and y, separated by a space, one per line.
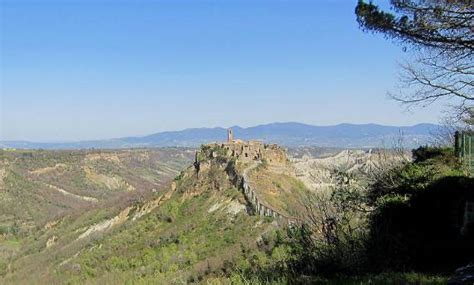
pixel 441 35
pixel 331 231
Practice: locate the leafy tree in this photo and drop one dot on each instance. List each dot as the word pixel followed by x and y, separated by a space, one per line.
pixel 441 34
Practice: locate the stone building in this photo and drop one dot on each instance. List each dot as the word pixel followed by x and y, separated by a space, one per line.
pixel 247 151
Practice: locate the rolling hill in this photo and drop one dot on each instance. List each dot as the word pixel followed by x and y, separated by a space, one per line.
pixel 287 134
pixel 196 229
pixel 38 186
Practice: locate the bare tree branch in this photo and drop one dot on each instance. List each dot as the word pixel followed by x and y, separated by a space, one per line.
pixel 441 33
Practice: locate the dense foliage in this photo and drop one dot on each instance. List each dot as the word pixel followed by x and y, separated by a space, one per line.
pixel 416 224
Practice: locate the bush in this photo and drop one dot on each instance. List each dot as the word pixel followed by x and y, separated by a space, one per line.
pixel 426 152
pixel 424 232
pixel 414 223
pixel 429 165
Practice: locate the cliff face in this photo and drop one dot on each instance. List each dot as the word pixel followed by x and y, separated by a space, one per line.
pixel 318 173
pixel 262 173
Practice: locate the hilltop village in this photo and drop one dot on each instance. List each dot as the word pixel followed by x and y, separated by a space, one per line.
pixel 248 151
pixel 245 160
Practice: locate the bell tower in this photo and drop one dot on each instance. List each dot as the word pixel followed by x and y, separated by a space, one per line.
pixel 230 135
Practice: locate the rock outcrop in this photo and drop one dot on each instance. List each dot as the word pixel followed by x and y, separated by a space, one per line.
pixel 238 158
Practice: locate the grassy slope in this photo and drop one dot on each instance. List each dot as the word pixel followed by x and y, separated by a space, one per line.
pixel 28 203
pixel 280 191
pixel 102 175
pixel 200 235
pixel 199 232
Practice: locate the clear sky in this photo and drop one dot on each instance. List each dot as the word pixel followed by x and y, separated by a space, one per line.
pixel 74 70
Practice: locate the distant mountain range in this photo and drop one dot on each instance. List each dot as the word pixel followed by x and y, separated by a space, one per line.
pixel 287 134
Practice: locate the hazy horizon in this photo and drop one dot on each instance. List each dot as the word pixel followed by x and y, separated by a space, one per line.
pixel 88 70
pixel 206 127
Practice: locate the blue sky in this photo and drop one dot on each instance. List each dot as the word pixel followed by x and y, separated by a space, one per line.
pixel 74 70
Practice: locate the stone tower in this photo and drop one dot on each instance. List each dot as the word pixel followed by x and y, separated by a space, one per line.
pixel 230 136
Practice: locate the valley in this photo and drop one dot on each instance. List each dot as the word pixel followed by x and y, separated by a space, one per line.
pixel 317 170
pixel 40 188
pixel 100 215
pixel 218 214
pixel 237 142
pixel 139 219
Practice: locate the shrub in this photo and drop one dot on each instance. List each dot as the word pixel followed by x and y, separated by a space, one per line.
pixel 423 232
pixel 429 165
pixel 426 152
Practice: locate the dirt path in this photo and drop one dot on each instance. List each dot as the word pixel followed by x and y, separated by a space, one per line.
pixel 85 198
pixel 250 168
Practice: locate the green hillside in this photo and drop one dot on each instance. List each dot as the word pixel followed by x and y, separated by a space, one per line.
pixel 50 183
pixel 199 228
pixel 39 188
pixel 237 215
